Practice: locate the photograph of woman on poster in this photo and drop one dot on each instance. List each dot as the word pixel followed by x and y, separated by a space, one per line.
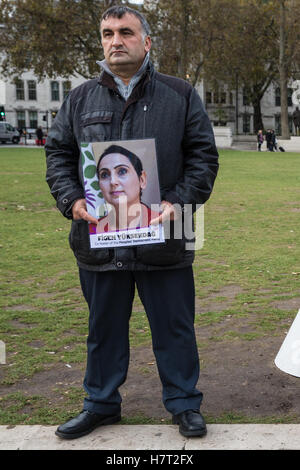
pixel 122 180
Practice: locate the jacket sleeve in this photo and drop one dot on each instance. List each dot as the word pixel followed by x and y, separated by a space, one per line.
pixel 200 166
pixel 62 158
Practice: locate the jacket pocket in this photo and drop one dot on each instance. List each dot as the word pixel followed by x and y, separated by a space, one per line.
pixel 96 125
pixel 163 254
pixel 80 243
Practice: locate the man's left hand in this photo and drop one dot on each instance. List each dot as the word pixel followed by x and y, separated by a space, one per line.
pixel 168 213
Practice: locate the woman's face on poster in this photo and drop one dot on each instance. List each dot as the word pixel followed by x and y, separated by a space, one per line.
pixel 119 181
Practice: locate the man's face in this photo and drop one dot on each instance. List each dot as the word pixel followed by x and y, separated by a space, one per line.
pixel 123 42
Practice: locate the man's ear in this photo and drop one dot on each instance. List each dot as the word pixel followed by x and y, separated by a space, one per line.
pixel 100 34
pixel 147 43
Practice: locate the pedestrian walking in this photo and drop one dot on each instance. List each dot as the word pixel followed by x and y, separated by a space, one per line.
pixel 269 140
pixel 260 140
pixel 40 136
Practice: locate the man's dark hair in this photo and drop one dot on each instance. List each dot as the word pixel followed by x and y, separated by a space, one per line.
pixel 134 159
pixel 119 11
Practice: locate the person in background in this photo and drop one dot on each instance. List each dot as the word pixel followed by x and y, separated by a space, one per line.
pixel 39 136
pixel 274 141
pixel 269 140
pixel 260 140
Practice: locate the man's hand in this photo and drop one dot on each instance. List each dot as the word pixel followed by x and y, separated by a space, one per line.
pixel 79 211
pixel 168 213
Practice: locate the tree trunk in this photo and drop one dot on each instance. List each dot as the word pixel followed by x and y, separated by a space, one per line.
pixel 257 116
pixel 183 62
pixel 285 132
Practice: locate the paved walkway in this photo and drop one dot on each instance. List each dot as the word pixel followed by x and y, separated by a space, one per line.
pixel 156 437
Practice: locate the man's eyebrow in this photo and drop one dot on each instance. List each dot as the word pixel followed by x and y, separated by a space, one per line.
pixel 106 30
pixel 121 30
pixel 126 28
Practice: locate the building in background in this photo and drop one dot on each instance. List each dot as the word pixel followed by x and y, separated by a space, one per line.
pixel 228 107
pixel 30 103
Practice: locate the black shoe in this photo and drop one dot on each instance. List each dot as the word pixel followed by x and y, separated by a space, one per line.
pixel 84 423
pixel 191 423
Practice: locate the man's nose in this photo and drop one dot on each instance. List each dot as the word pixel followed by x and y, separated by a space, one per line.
pixel 117 39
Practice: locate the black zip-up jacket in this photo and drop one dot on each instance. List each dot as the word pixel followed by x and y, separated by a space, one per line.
pixel 161 107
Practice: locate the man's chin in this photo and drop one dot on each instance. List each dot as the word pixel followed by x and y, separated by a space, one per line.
pixel 118 56
pixel 119 60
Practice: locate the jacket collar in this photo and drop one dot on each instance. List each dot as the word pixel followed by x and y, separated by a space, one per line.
pixel 103 64
pixel 107 80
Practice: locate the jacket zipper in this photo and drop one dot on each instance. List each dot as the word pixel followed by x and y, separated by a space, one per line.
pixel 145 109
pixel 144 125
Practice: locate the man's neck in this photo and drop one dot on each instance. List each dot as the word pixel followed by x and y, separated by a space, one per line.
pixel 123 74
pixel 124 79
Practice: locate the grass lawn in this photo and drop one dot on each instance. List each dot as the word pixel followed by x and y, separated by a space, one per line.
pixel 252 227
pixel 251 240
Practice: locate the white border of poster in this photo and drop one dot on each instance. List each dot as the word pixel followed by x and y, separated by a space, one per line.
pixel 98 206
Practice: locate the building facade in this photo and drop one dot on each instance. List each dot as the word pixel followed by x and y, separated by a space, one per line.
pixel 231 108
pixel 30 103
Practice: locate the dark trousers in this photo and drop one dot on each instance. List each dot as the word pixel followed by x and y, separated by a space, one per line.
pixel 168 299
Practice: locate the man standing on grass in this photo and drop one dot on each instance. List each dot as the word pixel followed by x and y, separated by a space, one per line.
pixel 131 100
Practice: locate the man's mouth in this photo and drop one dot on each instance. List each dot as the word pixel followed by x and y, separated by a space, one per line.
pixel 117 52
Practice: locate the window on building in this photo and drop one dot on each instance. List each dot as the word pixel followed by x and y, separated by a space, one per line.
pixel 289 98
pixel 231 98
pixel 246 123
pixel 208 97
pixel 216 97
pixel 31 90
pixel 55 91
pixel 223 97
pixel 21 120
pixel 66 88
pixel 33 119
pixel 246 99
pixel 278 124
pixel 20 92
pixel 278 97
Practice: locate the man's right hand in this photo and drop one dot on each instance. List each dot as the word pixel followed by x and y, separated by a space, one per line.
pixel 79 211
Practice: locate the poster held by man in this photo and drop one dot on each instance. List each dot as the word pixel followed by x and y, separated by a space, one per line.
pixel 122 192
